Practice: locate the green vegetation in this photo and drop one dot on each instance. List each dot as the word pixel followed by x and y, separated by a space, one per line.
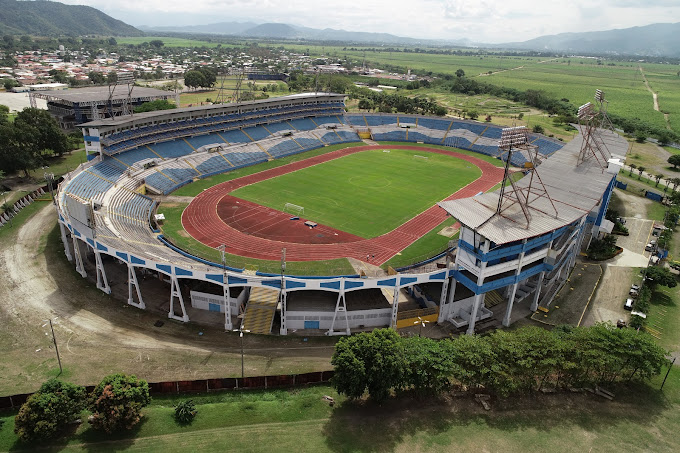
pixel 193 189
pixel 503 363
pixel 367 194
pixel 427 246
pixel 168 41
pixel 58 19
pixel 116 403
pixel 158 104
pixel 603 249
pixel 48 412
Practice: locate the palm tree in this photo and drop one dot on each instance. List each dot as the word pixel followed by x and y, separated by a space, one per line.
pixel 675 182
pixel 640 170
pixel 658 178
pixel 668 181
pixel 632 167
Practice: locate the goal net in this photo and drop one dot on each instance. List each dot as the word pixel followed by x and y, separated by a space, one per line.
pixel 291 208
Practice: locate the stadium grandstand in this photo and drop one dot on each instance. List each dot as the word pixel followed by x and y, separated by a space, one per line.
pixel 75 106
pixel 104 215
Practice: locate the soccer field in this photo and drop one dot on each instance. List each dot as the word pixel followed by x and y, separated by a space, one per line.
pixel 368 193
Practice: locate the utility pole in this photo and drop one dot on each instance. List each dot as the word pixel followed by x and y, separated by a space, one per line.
pixel 56 348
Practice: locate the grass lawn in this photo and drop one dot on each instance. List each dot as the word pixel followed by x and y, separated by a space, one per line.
pixel 426 247
pixel 193 189
pixel 639 419
pixel 368 193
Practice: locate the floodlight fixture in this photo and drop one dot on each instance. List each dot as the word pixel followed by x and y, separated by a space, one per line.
pixel 599 96
pixel 512 137
pixel 125 78
pixel 585 111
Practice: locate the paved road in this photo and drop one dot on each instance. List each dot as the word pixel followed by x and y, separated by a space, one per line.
pixel 640 233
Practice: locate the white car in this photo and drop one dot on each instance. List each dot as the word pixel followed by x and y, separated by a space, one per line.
pixel 629 304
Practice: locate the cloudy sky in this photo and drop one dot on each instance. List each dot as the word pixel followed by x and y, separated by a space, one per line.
pixel 488 21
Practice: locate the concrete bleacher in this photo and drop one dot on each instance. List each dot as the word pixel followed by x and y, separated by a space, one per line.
pixel 256 132
pixel 278 127
pixel 380 120
pixel 432 123
pixel 235 136
pixel 131 157
pixel 202 140
pixel 303 124
pixel 284 148
pixel 172 149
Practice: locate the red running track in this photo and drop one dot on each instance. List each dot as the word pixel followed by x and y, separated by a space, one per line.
pixel 201 218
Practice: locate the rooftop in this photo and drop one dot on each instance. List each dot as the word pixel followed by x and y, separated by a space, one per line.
pixel 100 93
pixel 575 191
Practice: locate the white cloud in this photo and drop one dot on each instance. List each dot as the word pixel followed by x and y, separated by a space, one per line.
pixel 480 20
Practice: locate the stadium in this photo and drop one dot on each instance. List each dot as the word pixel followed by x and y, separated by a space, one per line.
pixel 407 174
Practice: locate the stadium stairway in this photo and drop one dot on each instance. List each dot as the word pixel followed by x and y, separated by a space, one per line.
pixel 260 310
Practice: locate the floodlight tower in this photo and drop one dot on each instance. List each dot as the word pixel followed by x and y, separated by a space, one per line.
pixel 593 146
pixel 127 79
pixel 221 92
pixel 236 95
pixel 605 122
pixel 516 140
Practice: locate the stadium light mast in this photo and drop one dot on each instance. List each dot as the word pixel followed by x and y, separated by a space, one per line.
pixel 592 123
pixel 516 140
pixel 122 78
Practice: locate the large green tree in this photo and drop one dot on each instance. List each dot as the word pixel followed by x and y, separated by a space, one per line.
pixel 49 136
pixel 48 411
pixel 369 362
pixel 194 79
pixel 117 401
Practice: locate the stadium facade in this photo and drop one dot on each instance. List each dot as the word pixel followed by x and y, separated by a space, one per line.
pixel 104 217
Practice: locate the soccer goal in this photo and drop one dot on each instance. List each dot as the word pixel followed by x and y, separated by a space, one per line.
pixel 291 208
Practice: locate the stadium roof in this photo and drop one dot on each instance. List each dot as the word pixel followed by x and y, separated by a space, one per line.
pixel 199 110
pixel 575 190
pixel 100 93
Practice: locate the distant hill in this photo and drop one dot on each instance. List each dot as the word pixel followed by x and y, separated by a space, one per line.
pixel 220 28
pixel 652 40
pixel 46 18
pixel 286 31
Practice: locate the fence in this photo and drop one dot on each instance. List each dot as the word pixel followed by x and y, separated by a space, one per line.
pixel 206 385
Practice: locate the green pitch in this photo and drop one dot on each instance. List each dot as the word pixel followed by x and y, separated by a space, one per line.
pixel 368 193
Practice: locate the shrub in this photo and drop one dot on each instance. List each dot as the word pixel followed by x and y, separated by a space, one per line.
pixel 117 401
pixel 185 412
pixel 538 129
pixel 48 411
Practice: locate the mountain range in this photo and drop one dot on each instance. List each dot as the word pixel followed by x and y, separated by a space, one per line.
pixel 48 18
pixel 652 40
pixel 44 18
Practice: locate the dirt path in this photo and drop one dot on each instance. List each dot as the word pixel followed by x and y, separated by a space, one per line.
pixel 98 334
pixel 655 97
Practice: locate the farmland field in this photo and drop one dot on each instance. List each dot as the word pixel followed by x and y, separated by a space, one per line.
pixel 368 193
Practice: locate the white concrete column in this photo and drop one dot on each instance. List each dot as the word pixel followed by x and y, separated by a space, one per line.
pixel 473 316
pixel 132 282
pixel 176 292
pixel 537 293
pixel 64 240
pixel 511 302
pixel 80 268
pixel 102 281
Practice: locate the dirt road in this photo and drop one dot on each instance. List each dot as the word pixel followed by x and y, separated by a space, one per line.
pixel 98 334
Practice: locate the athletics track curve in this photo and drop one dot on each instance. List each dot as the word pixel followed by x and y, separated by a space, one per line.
pixel 203 222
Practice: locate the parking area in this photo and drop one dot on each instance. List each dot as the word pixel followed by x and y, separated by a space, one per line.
pixel 611 294
pixel 640 233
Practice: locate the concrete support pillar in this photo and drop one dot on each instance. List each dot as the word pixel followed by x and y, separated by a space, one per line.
pixel 132 283
pixel 340 308
pixel 175 292
pixel 537 293
pixel 511 302
pixel 80 268
pixel 479 298
pixel 102 281
pixel 64 240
